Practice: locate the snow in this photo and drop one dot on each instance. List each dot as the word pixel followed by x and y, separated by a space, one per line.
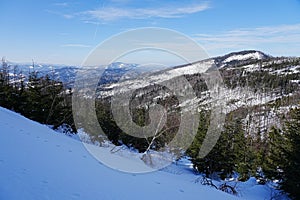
pixel 38 163
pixel 295 81
pixel 288 70
pixel 147 79
pixel 255 55
pixel 251 68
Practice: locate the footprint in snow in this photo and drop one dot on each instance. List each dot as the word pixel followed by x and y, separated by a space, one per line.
pixel 181 190
pixel 157 182
pixel 70 151
pixel 57 145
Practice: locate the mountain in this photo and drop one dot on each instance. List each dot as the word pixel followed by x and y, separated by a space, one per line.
pixel 251 80
pixel 67 74
pixel 258 88
pixel 115 71
pixel 242 57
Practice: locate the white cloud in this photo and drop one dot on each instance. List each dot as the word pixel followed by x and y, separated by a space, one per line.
pixel 115 13
pixel 91 22
pixel 261 34
pixel 76 45
pixel 64 4
pixel 120 1
pixel 283 38
pixel 67 16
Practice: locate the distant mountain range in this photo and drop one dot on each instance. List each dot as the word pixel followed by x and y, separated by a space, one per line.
pixel 67 74
pixel 114 72
pixel 252 80
pixel 258 87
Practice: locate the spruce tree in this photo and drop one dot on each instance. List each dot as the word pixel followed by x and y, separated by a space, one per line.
pixel 291 169
pixel 230 154
pixel 273 156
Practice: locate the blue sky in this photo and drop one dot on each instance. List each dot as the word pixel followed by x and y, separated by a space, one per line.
pixel 65 31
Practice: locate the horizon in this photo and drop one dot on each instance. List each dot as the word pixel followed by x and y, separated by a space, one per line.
pixel 65 32
pixel 176 65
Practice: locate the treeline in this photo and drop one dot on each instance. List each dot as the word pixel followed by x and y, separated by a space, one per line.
pixel 140 116
pixel 276 156
pixel 261 80
pixel 39 98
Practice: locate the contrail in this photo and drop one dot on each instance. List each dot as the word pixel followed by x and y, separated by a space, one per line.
pixel 97 26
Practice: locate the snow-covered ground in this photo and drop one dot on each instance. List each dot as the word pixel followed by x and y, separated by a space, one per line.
pixel 255 55
pixel 37 163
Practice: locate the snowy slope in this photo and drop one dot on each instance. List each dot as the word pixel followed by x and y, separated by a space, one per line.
pixel 37 163
pixel 253 55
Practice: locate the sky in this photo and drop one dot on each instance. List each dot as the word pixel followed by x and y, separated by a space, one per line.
pixel 66 31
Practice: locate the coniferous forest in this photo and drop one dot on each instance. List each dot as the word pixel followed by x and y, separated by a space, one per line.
pixel 39 98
